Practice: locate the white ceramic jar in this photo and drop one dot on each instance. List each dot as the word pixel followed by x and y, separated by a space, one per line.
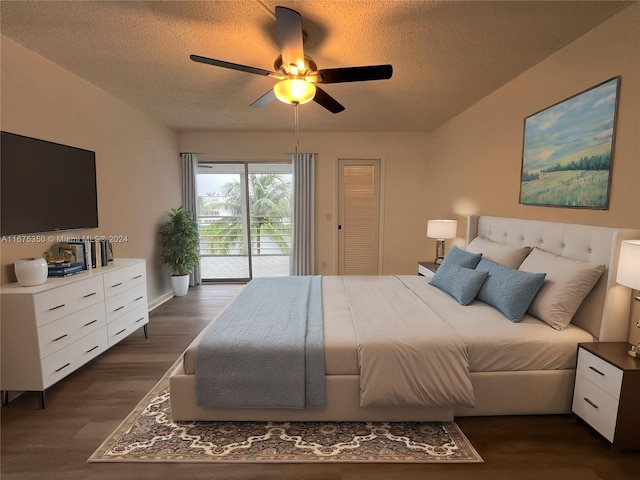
pixel 31 271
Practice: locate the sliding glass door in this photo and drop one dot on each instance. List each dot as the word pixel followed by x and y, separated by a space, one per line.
pixel 244 215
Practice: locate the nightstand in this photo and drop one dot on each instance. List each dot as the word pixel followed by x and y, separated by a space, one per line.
pixel 607 390
pixel 427 269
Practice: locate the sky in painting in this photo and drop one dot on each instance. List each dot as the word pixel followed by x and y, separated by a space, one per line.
pixel 577 127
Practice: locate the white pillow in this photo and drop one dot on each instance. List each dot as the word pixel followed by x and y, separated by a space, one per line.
pixel 507 255
pixel 567 283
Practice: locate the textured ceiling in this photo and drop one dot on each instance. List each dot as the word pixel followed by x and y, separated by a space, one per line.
pixel 446 55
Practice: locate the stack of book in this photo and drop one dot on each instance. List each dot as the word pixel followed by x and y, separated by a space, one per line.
pixel 65 269
pixel 92 253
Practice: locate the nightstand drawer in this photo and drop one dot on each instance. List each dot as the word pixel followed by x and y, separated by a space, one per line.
pixel 596 407
pixel 599 372
pixel 427 269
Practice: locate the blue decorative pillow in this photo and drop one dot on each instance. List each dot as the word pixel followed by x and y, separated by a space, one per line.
pixel 507 289
pixel 461 283
pixel 455 256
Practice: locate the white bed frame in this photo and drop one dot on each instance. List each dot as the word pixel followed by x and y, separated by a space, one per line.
pixel 604 314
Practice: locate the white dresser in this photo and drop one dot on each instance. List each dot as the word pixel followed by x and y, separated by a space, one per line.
pixel 51 330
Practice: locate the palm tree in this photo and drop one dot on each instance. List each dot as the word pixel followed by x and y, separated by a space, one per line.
pixel 269 202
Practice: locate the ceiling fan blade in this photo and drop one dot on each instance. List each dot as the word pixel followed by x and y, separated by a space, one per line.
pixel 352 74
pixel 290 35
pixel 232 66
pixel 265 99
pixel 327 101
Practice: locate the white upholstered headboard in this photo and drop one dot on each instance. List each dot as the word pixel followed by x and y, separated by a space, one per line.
pixel 605 311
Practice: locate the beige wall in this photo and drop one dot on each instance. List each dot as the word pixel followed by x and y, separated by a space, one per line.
pixel 469 165
pixel 472 163
pixel 137 158
pixel 404 194
pixel 478 153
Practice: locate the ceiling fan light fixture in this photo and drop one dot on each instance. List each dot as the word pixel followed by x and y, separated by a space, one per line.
pixel 294 91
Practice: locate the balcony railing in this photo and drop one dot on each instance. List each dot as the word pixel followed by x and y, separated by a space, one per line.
pixel 223 235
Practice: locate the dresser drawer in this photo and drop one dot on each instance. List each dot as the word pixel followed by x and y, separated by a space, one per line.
pixel 602 374
pixel 127 324
pixel 57 366
pixel 51 330
pixel 124 279
pixel 57 335
pixel 125 302
pixel 62 301
pixel 596 407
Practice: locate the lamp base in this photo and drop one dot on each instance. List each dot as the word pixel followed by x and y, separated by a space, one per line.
pixel 439 251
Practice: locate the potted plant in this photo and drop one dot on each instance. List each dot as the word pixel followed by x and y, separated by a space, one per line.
pixel 179 245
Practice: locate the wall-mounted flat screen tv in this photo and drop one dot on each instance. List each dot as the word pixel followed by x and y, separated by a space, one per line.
pixel 45 186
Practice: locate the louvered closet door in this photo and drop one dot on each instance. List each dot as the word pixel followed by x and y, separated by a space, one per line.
pixel 359 216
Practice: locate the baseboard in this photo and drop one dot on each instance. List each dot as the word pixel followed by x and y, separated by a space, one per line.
pixel 160 300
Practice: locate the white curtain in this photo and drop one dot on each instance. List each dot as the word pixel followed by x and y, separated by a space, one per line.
pixel 190 199
pixel 302 257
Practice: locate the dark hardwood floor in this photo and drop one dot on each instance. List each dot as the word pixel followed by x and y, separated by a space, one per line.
pixel 86 406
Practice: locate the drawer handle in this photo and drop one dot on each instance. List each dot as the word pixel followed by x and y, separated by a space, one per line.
pixel 140 319
pixel 121 331
pixel 597 371
pixel 60 337
pixel 92 349
pixel 116 285
pixel 590 402
pixel 119 308
pixel 89 295
pixel 89 323
pixel 139 298
pixel 63 367
pixel 136 277
pixel 55 308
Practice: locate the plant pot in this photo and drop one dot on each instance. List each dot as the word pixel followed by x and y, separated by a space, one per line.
pixel 180 285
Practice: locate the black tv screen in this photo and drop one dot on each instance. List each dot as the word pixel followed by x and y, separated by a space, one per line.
pixel 45 186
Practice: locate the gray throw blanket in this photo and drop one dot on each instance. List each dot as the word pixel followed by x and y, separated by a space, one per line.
pixel 266 350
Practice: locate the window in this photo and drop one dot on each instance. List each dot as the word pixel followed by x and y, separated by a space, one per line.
pixel 244 214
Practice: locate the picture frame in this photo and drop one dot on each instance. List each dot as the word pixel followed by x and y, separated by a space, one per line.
pixel 568 148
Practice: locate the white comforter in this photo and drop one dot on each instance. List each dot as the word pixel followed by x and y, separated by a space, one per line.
pixel 490 342
pixel 408 355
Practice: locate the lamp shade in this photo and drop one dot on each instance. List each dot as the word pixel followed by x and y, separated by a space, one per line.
pixel 442 229
pixel 629 264
pixel 294 90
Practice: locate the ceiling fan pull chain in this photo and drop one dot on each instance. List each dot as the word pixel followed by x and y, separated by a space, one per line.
pixel 295 109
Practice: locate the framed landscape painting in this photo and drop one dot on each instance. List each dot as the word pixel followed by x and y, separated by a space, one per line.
pixel 568 149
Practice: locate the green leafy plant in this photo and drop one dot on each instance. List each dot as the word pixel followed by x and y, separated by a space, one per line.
pixel 179 242
pixel 269 202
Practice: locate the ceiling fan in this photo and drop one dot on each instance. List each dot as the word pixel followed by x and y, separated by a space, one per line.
pixel 297 73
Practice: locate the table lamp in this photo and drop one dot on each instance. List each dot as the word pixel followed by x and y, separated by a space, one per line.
pixel 441 230
pixel 629 276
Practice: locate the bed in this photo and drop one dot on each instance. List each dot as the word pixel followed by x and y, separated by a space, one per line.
pixel 514 367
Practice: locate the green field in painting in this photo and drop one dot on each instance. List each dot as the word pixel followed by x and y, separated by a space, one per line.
pixel 573 188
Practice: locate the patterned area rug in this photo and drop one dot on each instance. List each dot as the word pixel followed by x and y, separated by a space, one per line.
pixel 149 434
